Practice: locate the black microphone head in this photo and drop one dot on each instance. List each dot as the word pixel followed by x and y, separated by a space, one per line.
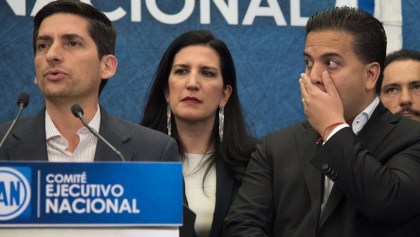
pixel 77 110
pixel 23 99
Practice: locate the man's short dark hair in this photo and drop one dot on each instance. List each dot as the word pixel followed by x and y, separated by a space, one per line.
pixel 100 27
pixel 369 34
pixel 403 54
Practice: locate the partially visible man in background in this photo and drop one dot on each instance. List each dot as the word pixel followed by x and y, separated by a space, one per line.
pixel 400 89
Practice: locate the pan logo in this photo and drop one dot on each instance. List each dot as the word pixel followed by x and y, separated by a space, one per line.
pixel 15 192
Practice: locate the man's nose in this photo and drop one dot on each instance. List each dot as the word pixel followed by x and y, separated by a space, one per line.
pixel 405 97
pixel 54 53
pixel 315 73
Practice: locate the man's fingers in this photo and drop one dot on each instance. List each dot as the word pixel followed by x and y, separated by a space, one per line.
pixel 328 84
pixel 302 84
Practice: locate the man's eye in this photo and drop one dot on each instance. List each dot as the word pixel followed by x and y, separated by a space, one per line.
pixel 331 64
pixel 391 90
pixel 42 46
pixel 74 43
pixel 416 87
pixel 309 64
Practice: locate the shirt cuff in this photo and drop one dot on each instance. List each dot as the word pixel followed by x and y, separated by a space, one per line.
pixel 336 129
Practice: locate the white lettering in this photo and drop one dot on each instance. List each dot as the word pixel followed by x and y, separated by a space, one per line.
pixel 117 190
pixel 49 188
pixel 228 10
pixel 273 10
pixel 64 190
pixel 125 206
pixel 17 6
pixel 73 192
pixel 95 208
pixel 295 18
pixel 97 205
pixel 134 205
pixel 51 205
pixel 349 3
pixel 136 10
pixel 111 206
pixel 75 203
pixel 105 190
pixel 38 5
pixel 167 18
pixel 65 207
pixel 49 178
pixel 83 178
pixel 66 178
pixel 113 15
pixel 83 190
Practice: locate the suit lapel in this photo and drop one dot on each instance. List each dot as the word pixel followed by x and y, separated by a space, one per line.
pixel 333 200
pixel 371 136
pixel 306 147
pixel 116 135
pixel 188 217
pixel 225 191
pixel 377 128
pixel 31 140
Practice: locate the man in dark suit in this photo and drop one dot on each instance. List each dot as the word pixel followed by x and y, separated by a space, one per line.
pixel 74 46
pixel 351 169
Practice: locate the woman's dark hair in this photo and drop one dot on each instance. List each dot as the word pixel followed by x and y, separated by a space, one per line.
pixel 368 32
pixel 237 144
pixel 100 27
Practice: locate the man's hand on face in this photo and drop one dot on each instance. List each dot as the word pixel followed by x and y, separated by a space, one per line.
pixel 321 102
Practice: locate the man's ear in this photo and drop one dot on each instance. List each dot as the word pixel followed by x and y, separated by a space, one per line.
pixel 372 73
pixel 109 64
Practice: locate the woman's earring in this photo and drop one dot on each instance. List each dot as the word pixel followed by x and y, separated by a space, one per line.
pixel 168 119
pixel 221 122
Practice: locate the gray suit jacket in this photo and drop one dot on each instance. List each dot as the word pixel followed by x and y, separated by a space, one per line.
pixel 27 141
pixel 376 178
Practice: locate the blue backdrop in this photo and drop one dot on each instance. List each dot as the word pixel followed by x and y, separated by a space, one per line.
pixel 267 51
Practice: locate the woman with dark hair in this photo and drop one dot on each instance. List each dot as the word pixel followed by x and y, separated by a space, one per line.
pixel 194 99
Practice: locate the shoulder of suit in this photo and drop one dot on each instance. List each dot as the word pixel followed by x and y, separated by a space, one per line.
pixel 289 130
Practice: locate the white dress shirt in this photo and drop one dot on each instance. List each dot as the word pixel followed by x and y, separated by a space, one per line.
pixel 57 145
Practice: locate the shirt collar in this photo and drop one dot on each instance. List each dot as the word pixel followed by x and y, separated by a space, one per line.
pixel 362 118
pixel 52 131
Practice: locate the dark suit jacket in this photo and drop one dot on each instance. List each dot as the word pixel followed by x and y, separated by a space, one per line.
pixel 376 178
pixel 136 143
pixel 226 189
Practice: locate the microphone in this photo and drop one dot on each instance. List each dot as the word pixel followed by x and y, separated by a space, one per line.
pixel 78 113
pixel 22 102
